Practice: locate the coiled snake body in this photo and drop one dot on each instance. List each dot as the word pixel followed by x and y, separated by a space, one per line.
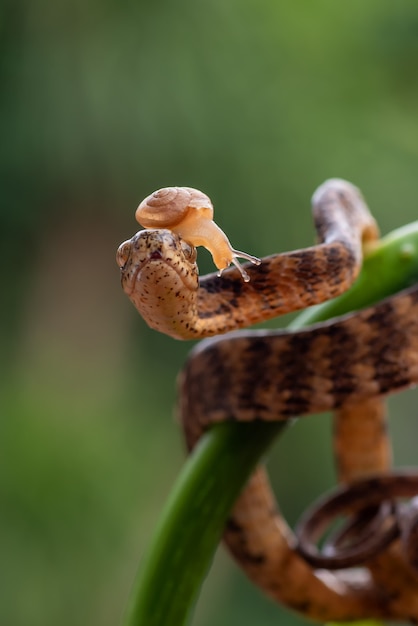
pixel 346 366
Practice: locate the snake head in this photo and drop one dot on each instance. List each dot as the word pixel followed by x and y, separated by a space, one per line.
pixel 159 275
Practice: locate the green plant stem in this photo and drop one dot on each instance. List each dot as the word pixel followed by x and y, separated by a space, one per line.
pixel 191 525
pixel 192 521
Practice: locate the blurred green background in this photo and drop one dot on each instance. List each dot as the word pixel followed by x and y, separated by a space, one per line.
pixel 256 103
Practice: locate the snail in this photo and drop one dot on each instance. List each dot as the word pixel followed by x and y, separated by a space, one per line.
pixel 189 213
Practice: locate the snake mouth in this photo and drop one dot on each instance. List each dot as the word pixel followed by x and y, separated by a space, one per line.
pixel 155 255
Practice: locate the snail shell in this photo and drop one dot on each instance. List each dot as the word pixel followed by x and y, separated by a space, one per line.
pixel 169 206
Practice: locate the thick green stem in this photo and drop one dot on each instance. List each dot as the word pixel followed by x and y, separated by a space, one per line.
pixel 192 521
pixel 191 524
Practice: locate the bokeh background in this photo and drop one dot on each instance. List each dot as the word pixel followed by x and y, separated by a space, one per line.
pixel 102 102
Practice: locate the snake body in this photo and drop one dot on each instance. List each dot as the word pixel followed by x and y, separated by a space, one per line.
pixel 346 366
pixel 331 366
pixel 364 355
pixel 162 281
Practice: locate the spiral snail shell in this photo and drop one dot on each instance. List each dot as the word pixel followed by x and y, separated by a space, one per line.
pixel 188 212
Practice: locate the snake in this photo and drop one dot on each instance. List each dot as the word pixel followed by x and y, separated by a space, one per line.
pixel 347 366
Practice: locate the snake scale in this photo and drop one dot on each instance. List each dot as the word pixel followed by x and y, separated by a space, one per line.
pixel 347 366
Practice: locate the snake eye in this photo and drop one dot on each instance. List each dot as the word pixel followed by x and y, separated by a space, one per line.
pixel 189 251
pixel 123 253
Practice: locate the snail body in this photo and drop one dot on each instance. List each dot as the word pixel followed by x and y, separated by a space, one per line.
pixel 188 212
